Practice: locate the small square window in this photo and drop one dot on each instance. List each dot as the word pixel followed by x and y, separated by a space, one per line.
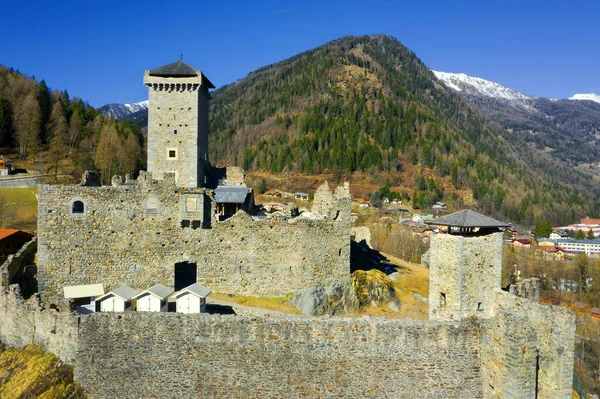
pixel 174 131
pixel 172 153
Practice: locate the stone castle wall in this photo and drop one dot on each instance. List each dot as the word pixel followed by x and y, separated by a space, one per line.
pixel 14 264
pixel 117 241
pixel 171 355
pixel 527 347
pixel 467 271
pixel 24 322
pixel 277 357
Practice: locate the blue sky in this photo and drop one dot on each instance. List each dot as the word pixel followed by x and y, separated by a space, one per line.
pixel 98 50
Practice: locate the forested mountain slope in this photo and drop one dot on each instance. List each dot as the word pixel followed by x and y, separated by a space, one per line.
pixel 566 129
pixel 61 135
pixel 368 103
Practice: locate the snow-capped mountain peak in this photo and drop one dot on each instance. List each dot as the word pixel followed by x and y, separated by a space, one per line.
pixel 120 111
pixel 482 87
pixel 588 97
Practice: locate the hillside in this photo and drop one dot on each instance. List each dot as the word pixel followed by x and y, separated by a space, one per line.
pixel 566 129
pixel 48 131
pixel 31 373
pixel 369 104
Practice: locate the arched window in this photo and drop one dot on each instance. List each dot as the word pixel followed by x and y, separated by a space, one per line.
pixel 152 205
pixel 78 207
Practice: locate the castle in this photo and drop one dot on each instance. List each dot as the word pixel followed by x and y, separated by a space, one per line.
pixel 181 222
pixel 170 227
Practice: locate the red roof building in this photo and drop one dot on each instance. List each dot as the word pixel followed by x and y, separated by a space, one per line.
pixel 11 241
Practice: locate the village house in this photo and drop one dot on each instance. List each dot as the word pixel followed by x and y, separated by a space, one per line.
pixel 553 252
pixel 5 166
pixel 301 196
pixel 439 205
pixel 522 243
pixel 364 205
pixel 422 217
pixel 571 246
pixel 558 235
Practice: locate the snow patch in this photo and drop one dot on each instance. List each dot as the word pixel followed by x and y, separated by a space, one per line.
pixel 586 97
pixel 479 86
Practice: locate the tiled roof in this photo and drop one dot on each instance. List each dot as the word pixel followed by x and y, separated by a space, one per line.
pixel 467 218
pixel 9 232
pixel 176 69
pixel 180 69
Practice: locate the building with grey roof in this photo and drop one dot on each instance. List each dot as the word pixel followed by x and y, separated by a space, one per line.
pixel 117 300
pixel 230 199
pixel 468 222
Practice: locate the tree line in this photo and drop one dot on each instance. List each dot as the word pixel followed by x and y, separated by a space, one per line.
pixel 63 135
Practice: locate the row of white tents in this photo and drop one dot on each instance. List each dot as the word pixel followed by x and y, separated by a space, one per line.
pixel 86 298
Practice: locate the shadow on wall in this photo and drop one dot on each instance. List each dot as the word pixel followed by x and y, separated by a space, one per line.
pixel 363 257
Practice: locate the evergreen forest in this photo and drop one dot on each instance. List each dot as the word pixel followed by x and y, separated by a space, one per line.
pixel 58 135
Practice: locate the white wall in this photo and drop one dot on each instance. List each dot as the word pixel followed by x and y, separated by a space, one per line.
pixel 148 303
pixel 112 304
pixel 188 303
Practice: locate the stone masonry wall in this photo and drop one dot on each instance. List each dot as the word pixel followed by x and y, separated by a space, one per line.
pixel 116 241
pixel 178 121
pixel 171 355
pixel 468 271
pixel 24 322
pixel 14 264
pixel 527 346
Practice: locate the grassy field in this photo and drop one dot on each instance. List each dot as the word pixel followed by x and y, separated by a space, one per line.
pixel 18 208
pixel 31 373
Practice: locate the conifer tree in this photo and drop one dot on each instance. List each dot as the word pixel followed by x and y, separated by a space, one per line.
pixel 57 131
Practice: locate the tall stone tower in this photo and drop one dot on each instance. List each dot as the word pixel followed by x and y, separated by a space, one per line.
pixel 465 266
pixel 178 123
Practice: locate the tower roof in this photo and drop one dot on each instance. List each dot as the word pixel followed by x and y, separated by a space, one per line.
pixel 467 218
pixel 180 69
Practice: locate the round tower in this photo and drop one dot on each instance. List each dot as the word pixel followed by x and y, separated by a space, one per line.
pixel 465 266
pixel 178 123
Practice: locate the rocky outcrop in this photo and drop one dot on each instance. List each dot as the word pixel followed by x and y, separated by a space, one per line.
pixel 347 295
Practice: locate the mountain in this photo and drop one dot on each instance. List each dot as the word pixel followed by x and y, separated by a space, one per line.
pixel 566 129
pixel 478 86
pixel 369 105
pixel 123 111
pixel 588 97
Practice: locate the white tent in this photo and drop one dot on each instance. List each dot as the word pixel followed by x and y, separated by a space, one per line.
pixel 153 299
pixel 192 299
pixel 117 300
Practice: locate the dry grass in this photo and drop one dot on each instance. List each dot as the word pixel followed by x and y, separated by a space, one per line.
pixel 19 208
pixel 412 279
pixel 280 304
pixel 31 373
